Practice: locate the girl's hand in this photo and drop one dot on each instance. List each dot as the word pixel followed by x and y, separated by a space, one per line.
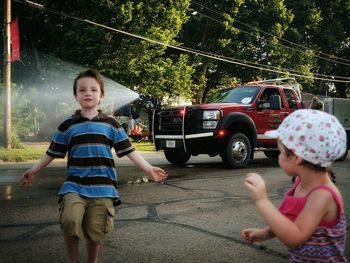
pixel 256 186
pixel 27 178
pixel 157 174
pixel 252 235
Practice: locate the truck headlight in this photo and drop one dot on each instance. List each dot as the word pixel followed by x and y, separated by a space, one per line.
pixel 211 119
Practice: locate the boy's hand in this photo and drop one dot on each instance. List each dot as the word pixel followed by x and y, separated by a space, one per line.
pixel 157 174
pixel 256 186
pixel 26 179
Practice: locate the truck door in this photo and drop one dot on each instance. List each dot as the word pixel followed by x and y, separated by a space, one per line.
pixel 291 100
pixel 267 118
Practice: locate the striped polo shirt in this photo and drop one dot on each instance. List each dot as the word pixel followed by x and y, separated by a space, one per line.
pixel 90 165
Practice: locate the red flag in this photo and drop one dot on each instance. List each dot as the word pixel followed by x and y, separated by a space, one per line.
pixel 15 52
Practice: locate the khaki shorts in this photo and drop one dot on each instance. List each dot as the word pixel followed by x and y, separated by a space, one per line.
pixel 91 218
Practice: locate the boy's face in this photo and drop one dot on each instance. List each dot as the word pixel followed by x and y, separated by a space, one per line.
pixel 88 93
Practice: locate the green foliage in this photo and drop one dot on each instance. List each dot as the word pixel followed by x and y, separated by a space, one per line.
pixel 236 34
pixel 324 27
pixel 132 62
pixel 16 143
pixel 246 31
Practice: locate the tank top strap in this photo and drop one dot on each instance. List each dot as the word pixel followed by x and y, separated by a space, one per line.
pixel 296 183
pixel 334 194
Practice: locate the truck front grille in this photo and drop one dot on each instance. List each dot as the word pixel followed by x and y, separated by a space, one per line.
pixel 170 121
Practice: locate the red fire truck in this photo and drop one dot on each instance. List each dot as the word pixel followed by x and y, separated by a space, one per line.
pixel 231 123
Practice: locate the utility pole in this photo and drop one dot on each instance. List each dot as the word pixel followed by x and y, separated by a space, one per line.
pixel 7 76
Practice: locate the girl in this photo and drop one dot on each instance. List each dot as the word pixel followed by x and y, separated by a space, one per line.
pixel 310 220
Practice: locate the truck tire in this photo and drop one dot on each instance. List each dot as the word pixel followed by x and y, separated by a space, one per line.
pixel 238 151
pixel 176 157
pixel 272 154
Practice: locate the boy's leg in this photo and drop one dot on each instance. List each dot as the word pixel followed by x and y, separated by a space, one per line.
pixel 98 221
pixel 71 218
pixel 72 248
pixel 92 250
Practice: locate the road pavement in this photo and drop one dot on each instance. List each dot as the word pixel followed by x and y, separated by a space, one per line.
pixel 196 216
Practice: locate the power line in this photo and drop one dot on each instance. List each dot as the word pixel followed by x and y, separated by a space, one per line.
pixel 196 52
pixel 316 74
pixel 294 49
pixel 279 38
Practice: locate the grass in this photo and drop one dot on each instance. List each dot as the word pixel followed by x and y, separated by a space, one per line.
pixel 144 146
pixel 36 151
pixel 21 155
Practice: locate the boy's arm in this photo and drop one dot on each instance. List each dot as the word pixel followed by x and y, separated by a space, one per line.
pixel 26 179
pixel 157 174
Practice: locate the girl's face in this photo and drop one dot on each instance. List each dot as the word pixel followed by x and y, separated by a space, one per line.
pixel 88 93
pixel 287 163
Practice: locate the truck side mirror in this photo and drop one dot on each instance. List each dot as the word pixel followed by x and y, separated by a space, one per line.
pixel 275 102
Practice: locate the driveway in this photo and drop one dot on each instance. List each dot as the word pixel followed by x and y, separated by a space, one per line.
pixel 196 216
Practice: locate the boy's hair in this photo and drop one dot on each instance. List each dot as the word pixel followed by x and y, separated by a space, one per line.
pixel 316 104
pixel 89 73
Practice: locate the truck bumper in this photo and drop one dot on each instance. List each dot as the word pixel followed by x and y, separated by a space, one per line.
pixel 191 143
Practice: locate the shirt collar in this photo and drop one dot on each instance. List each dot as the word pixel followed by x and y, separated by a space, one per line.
pixel 77 115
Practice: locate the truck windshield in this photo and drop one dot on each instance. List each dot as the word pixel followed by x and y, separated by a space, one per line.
pixel 241 95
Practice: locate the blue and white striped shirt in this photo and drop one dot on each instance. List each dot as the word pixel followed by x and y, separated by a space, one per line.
pixel 90 166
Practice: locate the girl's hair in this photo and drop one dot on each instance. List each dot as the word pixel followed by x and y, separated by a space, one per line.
pixel 316 104
pixel 306 163
pixel 89 73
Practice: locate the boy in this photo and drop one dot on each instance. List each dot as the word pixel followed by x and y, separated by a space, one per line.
pixel 89 192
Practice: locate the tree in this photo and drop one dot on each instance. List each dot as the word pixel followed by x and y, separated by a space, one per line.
pixel 220 28
pixel 323 26
pixel 138 64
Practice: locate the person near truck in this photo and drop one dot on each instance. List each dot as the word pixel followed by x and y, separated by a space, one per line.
pixel 317 104
pixel 310 221
pixel 136 133
pixel 89 192
pixel 130 124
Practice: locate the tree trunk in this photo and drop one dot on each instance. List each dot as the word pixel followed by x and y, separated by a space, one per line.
pixel 202 84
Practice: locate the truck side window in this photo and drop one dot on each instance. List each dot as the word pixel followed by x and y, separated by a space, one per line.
pixel 291 100
pixel 264 100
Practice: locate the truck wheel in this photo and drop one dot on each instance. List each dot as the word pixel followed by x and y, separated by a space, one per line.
pixel 272 154
pixel 176 157
pixel 238 151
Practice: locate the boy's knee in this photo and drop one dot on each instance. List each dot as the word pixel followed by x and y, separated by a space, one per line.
pixel 71 216
pixel 99 220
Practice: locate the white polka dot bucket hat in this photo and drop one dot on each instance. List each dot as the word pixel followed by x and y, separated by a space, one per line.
pixel 313 135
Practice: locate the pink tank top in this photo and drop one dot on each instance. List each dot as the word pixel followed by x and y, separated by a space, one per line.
pixel 327 243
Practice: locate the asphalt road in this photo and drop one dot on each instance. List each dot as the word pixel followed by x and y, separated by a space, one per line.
pixel 196 216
